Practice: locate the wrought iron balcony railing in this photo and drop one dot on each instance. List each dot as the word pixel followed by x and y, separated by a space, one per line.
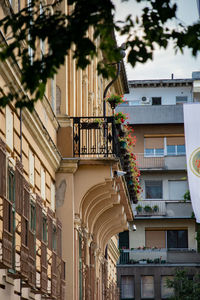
pixel 99 137
pixel 94 136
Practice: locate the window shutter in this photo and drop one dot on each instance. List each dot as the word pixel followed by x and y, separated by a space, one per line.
pixel 62 275
pixel 19 187
pixel 38 218
pixel 59 240
pixel 2 169
pixel 54 276
pixel 24 259
pixel 7 234
pixel 50 227
pixel 32 259
pixel 44 278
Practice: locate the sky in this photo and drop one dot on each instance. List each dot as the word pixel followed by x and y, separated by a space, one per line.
pixel 165 62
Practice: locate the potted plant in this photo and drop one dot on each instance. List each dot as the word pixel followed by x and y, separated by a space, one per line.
pixel 138 208
pixel 120 118
pixel 122 142
pixel 147 208
pixel 155 208
pixel 114 100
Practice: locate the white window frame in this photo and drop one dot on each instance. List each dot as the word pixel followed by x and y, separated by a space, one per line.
pixel 31 168
pixel 43 183
pixel 53 196
pixel 9 128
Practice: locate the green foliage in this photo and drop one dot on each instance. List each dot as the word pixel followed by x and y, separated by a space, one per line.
pixel 187 196
pixel 61 32
pixel 184 287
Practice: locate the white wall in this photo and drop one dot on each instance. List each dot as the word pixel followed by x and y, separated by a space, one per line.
pixel 168 94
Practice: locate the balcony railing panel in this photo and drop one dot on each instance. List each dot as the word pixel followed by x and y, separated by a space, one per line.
pixel 150 208
pixel 173 162
pixel 159 256
pixel 145 162
pixel 93 136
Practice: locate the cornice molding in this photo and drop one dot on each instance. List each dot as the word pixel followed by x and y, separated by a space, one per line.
pixel 68 166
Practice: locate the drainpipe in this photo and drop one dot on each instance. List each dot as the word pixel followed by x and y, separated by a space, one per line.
pixel 123 54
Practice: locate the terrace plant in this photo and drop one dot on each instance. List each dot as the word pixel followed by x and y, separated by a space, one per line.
pixel 114 100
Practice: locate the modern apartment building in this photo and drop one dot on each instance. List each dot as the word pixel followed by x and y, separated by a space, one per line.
pixel 165 236
pixel 64 246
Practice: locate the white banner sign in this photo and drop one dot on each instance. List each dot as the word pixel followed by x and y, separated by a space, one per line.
pixel 192 141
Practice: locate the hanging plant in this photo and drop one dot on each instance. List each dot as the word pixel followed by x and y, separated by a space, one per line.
pixel 120 118
pixel 115 100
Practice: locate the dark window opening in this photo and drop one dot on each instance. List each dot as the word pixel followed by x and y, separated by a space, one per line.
pixel 54 238
pixel 44 229
pixel 177 239
pixel 156 100
pixel 33 218
pixel 153 189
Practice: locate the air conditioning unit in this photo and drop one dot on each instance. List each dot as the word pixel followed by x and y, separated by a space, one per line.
pixel 145 100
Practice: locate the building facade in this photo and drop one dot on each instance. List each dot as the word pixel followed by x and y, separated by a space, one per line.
pixel 165 236
pixel 61 204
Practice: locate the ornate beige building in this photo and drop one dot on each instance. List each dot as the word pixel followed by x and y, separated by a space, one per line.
pixel 63 246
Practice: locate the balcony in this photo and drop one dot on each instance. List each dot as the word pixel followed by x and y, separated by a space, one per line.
pixel 158 256
pixel 94 137
pixel 176 162
pixel 150 208
pixel 98 137
pixel 163 208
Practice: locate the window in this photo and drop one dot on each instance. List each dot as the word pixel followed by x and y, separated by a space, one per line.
pixel 11 185
pixel 147 287
pixel 156 100
pixel 44 228
pixel 181 99
pixel 54 238
pixel 177 189
pixel 155 238
pixel 177 239
pixel 166 292
pixel 127 287
pixel 43 185
pixel 33 217
pixel 176 145
pixel 154 146
pixel 124 239
pixel 53 196
pixel 154 152
pixel 176 150
pixel 9 127
pixel 153 189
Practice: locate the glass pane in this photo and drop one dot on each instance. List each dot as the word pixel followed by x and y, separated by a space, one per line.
pixel 44 229
pixel 180 149
pixel 127 287
pixel 54 239
pixel 156 100
pixel 149 152
pixel 153 189
pixel 171 150
pixel 172 239
pixel 165 291
pixel 159 151
pixel 182 239
pixel 147 287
